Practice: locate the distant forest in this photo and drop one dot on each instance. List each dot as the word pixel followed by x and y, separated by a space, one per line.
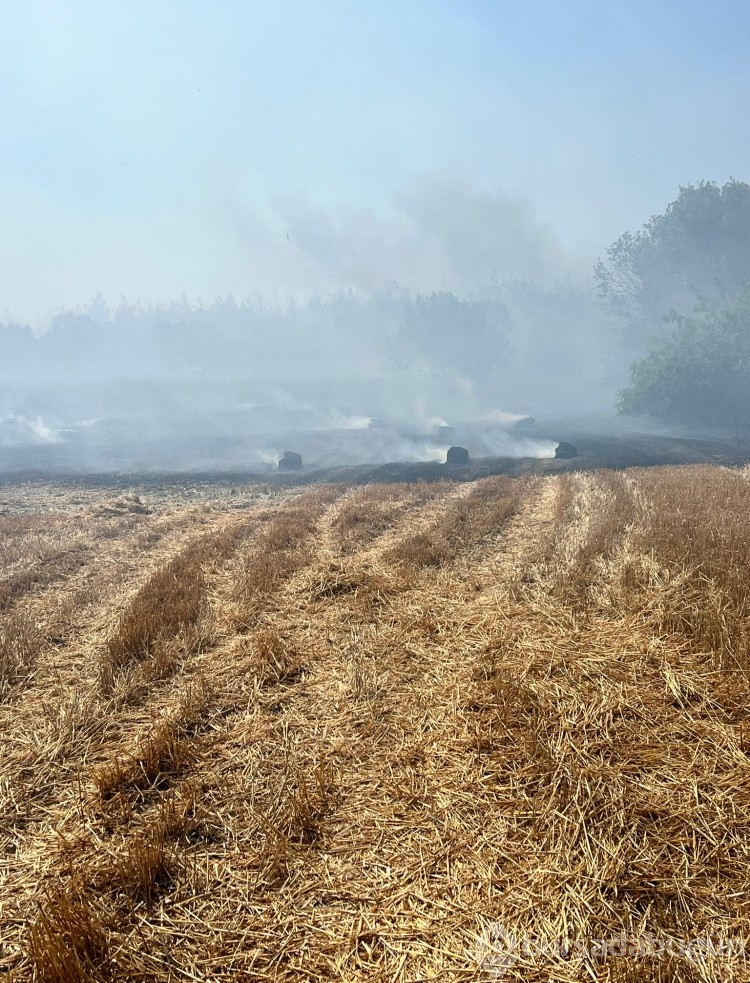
pixel 477 353
pixel 669 307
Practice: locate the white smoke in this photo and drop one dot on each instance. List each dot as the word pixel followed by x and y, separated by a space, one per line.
pixel 505 418
pixel 17 430
pixel 335 420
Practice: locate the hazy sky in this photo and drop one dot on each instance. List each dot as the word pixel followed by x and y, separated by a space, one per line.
pixel 160 146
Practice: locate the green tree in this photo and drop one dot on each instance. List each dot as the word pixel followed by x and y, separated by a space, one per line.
pixel 698 250
pixel 700 375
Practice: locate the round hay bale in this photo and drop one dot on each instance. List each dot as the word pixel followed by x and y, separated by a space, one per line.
pixel 457 456
pixel 291 461
pixel 564 449
pixel 524 424
pixel 446 433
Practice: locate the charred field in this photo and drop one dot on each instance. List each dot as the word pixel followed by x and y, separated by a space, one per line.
pixel 372 729
pixel 204 466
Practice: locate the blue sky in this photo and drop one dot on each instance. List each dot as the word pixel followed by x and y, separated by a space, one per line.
pixel 154 148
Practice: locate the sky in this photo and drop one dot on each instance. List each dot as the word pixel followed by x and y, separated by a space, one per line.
pixel 168 147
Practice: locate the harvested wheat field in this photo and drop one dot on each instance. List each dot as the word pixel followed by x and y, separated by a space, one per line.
pixel 395 732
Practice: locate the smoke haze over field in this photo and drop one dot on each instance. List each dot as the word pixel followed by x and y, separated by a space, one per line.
pixel 145 143
pixel 412 197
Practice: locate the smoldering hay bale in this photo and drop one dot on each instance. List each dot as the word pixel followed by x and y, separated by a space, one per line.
pixel 565 450
pixel 290 461
pixel 457 456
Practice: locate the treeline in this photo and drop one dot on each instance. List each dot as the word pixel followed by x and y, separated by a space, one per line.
pixel 345 331
pixel 679 289
pixel 681 286
pixel 522 328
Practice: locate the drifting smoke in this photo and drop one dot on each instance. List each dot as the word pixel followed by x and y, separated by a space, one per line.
pixel 504 418
pixel 431 314
pixel 340 421
pixel 267 459
pixel 440 234
pixel 18 430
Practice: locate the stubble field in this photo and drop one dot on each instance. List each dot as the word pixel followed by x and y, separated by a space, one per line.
pixel 429 731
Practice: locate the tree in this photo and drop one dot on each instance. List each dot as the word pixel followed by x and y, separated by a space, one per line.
pixel 701 374
pixel 556 331
pixel 458 337
pixel 698 250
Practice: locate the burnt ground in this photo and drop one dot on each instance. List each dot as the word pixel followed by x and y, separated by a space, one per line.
pixel 594 452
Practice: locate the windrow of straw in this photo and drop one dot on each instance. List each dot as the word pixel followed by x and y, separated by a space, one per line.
pixel 169 617
pixel 283 547
pixel 371 510
pixel 530 761
pixel 467 521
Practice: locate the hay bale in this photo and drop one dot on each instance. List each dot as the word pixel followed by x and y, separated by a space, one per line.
pixel 526 423
pixel 564 449
pixel 446 433
pixel 291 461
pixel 457 456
